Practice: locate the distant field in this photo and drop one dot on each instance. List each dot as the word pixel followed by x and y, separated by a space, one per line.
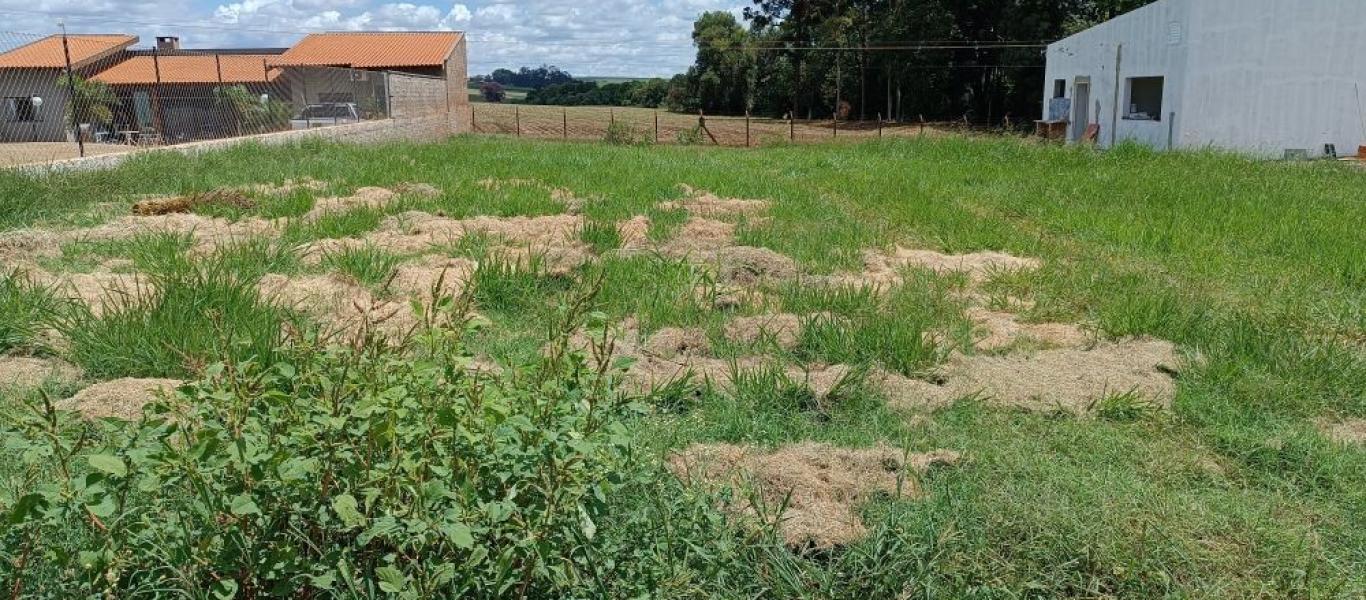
pixel 938 367
pixel 592 122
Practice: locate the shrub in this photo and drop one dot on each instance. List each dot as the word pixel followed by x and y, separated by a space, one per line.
pixel 690 137
pixel 340 471
pixel 620 133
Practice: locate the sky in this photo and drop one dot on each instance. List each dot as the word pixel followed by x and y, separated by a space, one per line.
pixel 585 37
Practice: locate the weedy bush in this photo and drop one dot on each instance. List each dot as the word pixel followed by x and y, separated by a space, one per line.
pixel 331 471
pixel 689 137
pixel 621 133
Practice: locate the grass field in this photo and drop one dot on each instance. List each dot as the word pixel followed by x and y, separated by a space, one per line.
pixel 902 368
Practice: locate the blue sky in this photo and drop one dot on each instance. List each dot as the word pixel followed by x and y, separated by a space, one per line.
pixel 590 37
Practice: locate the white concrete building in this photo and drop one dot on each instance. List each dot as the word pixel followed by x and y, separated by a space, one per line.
pixel 1256 76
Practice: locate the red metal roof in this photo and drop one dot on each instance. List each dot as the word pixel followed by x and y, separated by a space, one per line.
pixel 371 50
pixel 47 53
pixel 190 68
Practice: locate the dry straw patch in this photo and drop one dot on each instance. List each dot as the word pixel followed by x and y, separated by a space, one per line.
pixel 342 306
pixel 634 233
pixel 701 203
pixel 822 485
pixel 376 198
pixel 1069 379
pixel 784 329
pixel 119 398
pixel 997 330
pixel 1346 431
pixel 419 278
pixel 882 270
pixel 100 290
pixel 18 372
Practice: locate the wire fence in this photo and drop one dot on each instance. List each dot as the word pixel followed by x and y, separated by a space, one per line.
pixel 644 125
pixel 64 96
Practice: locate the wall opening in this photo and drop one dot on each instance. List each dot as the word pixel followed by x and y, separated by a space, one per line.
pixel 1059 88
pixel 1143 99
pixel 22 110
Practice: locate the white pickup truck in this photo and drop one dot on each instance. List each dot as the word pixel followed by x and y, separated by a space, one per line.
pixel 325 115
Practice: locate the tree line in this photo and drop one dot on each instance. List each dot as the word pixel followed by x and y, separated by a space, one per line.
pixel 980 60
pixel 976 60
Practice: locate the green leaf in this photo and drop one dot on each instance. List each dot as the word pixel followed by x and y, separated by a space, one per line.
pixel 348 510
pixel 225 589
pixel 104 508
pixel 27 506
pixel 242 504
pixel 108 464
pixel 459 534
pixel 391 580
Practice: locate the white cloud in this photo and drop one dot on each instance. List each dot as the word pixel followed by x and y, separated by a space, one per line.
pixel 594 37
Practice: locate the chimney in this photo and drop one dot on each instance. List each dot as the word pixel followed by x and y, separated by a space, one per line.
pixel 168 43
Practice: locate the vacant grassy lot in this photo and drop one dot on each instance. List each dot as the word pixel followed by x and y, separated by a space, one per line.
pixel 941 367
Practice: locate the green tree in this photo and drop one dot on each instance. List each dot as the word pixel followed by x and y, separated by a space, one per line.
pixel 93 101
pixel 250 113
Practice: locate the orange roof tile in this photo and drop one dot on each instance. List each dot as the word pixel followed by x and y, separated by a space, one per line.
pixel 47 53
pixel 190 68
pixel 371 49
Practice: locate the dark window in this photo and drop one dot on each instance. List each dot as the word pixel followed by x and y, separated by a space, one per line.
pixel 1059 88
pixel 21 109
pixel 335 111
pixel 1144 99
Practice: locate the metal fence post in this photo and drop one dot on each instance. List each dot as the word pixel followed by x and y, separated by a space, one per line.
pixel 517 116
pixel 71 89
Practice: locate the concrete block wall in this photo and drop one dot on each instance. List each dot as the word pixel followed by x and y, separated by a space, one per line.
pixel 416 95
pixel 428 128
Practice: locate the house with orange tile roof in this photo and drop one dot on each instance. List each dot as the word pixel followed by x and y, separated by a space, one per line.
pixel 409 72
pixel 33 106
pixel 171 93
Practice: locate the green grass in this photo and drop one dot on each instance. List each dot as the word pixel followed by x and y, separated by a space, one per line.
pixel 367 264
pixel 26 308
pixel 186 319
pixel 1258 270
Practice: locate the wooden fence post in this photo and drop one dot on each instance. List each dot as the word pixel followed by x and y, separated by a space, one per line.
pixel 564 112
pixel 702 122
pixel 656 125
pixel 879 125
pixel 517 117
pixel 835 119
pixel 791 127
pixel 922 125
pixel 746 128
